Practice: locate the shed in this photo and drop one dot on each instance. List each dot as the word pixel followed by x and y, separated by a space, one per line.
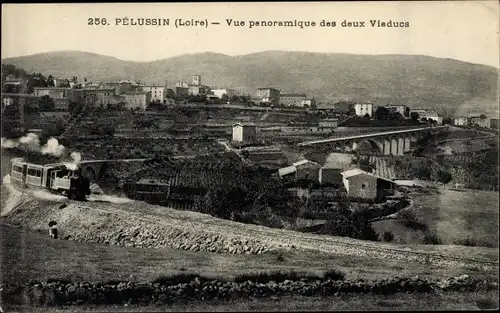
pixel 361 184
pixel 301 170
pixel 244 132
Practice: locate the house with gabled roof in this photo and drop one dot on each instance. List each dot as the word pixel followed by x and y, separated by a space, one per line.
pixel 361 184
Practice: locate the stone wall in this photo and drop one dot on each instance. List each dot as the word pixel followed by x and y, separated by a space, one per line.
pixel 199 288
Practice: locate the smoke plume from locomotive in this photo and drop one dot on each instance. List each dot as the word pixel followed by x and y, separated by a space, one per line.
pixel 31 142
pixel 76 158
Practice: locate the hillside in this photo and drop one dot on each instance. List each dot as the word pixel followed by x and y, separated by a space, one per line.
pixel 451 86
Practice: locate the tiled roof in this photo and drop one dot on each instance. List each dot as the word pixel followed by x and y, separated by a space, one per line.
pixel 357 171
pixel 287 170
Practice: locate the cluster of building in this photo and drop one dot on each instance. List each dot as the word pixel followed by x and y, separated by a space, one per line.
pixel 134 95
pixel 358 183
pixel 363 109
pixel 130 94
pixel 478 120
pixel 247 132
pixel 273 97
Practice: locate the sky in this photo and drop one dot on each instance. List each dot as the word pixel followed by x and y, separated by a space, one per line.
pixel 466 31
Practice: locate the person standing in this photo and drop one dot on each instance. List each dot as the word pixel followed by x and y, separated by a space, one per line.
pixel 53 229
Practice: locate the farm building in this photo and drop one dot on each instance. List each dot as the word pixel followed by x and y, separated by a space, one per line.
pixel 244 132
pixel 481 121
pixel 359 183
pixel 301 170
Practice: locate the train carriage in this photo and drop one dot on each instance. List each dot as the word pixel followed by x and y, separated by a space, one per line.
pixel 53 177
pixel 18 174
pixel 34 175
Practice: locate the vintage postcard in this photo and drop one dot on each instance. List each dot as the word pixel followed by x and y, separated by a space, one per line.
pixel 290 156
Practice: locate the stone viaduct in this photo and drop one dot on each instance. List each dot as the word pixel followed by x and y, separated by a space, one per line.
pixel 395 142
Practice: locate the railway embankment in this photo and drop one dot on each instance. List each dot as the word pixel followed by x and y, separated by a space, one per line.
pixel 137 224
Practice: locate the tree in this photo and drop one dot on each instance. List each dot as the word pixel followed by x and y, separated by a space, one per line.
pixel 46 103
pixel 50 81
pixel 407 112
pixel 414 116
pixel 75 107
pixel 447 121
pixel 444 176
pixel 224 99
pixel 156 106
pixel 388 236
pixel 482 116
pixel 235 98
pixel 366 116
pixel 381 113
pixel 313 105
pixel 396 116
pixel 244 99
pixel 65 83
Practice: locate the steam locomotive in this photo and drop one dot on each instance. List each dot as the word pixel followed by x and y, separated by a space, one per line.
pixel 56 178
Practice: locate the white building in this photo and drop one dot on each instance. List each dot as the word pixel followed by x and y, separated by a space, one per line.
pixel 157 92
pixel 8 101
pixel 363 109
pixel 397 108
pixel 460 121
pixel 433 115
pixel 60 82
pixel 244 132
pixel 421 112
pixel 307 103
pixel 220 92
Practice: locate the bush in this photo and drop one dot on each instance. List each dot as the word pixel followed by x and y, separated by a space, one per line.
pixel 471 242
pixel 333 275
pixel 280 276
pixel 409 220
pixel 432 240
pixel 388 236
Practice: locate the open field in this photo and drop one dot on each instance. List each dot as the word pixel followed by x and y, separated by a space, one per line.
pixel 452 216
pixel 33 255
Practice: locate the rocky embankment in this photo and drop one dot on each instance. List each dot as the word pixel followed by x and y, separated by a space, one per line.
pixel 92 225
pixel 199 288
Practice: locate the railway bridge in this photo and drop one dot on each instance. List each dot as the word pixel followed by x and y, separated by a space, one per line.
pixel 394 142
